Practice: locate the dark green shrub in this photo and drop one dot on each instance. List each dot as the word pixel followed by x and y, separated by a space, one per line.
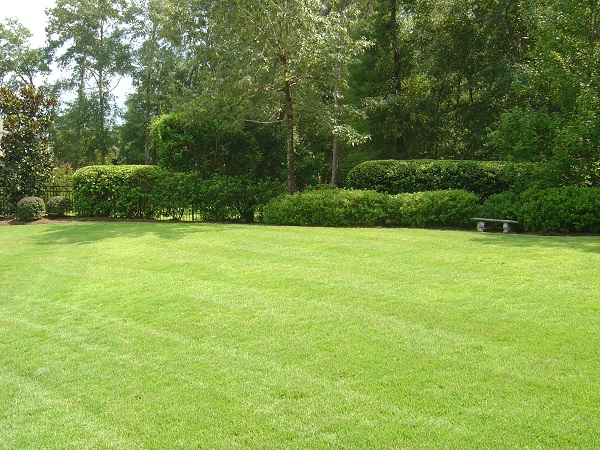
pixel 147 191
pixel 483 178
pixel 448 208
pixel 219 198
pixel 58 206
pixel 506 205
pixel 237 198
pixel 30 208
pixel 327 207
pixel 562 210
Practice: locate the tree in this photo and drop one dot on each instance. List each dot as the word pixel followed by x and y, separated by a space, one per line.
pixel 89 38
pixel 25 156
pixel 155 65
pixel 555 95
pixel 19 63
pixel 273 58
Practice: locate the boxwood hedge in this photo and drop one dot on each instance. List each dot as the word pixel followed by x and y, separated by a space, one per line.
pixel 552 210
pixel 484 178
pixel 341 207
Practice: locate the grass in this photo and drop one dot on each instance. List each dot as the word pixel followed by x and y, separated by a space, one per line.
pixel 167 335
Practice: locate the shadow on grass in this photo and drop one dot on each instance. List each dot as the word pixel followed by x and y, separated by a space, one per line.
pixel 583 243
pixel 91 231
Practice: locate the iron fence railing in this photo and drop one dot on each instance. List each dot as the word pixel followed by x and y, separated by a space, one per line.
pixel 53 191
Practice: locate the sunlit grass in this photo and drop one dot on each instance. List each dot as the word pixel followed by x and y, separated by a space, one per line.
pixel 167 335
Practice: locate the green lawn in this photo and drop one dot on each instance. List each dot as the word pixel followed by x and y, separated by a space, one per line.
pixel 178 336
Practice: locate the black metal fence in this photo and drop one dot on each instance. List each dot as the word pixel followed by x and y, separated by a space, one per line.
pixel 54 191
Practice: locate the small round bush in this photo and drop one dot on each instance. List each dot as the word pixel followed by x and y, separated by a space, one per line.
pixel 58 206
pixel 30 208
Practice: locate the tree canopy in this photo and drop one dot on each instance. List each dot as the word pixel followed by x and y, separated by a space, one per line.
pixel 315 86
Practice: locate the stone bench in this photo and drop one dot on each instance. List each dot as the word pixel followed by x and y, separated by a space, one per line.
pixel 506 224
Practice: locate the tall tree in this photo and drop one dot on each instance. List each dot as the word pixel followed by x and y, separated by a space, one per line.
pixel 156 64
pixel 19 63
pixel 89 39
pixel 273 57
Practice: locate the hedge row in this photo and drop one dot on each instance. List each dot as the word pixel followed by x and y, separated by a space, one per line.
pixel 483 178
pixel 340 207
pixel 553 210
pixel 151 192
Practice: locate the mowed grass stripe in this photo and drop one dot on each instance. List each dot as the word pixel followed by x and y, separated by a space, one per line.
pixel 142 335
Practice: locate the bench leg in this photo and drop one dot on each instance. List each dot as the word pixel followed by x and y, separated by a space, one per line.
pixel 480 226
pixel 506 227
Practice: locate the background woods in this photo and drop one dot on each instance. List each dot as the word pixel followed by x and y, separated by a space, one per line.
pixel 304 90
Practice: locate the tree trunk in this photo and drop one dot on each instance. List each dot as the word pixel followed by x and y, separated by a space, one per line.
pixel 397 77
pixel 101 95
pixel 289 122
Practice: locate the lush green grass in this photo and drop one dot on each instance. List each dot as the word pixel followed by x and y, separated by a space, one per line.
pixel 166 335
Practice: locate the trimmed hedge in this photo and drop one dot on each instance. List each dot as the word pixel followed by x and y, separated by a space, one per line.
pixel 218 198
pixel 327 207
pixel 151 192
pixel 483 178
pixel 340 207
pixel 449 208
pixel 553 210
pixel 30 209
pixel 114 191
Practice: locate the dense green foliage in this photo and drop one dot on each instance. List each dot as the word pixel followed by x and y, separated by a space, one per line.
pixel 58 206
pixel 151 192
pixel 30 208
pixel 445 208
pixel 482 178
pixel 186 142
pixel 114 191
pixel 561 210
pixel 26 161
pixel 341 207
pixel 313 88
pixel 569 209
pixel 217 198
pixel 328 207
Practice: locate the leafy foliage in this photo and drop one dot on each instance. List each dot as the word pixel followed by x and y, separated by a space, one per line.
pixel 58 206
pixel 30 208
pixel 552 210
pixel 152 192
pixel 446 208
pixel 340 207
pixel 328 207
pixel 19 63
pixel 26 161
pixel 482 178
pixel 114 191
pixel 203 141
pixel 568 209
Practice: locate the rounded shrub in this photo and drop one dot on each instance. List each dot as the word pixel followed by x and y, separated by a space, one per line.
pixel 58 206
pixel 327 207
pixel 30 208
pixel 561 210
pixel 505 205
pixel 447 208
